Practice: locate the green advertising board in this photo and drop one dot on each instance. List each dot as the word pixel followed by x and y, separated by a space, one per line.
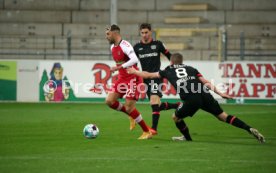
pixel 8 80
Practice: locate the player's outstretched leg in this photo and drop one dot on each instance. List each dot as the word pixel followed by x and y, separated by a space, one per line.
pixel 167 106
pixel 113 103
pixel 135 114
pixel 183 128
pixel 233 120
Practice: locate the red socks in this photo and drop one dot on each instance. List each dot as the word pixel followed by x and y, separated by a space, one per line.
pixel 138 118
pixel 134 114
pixel 118 106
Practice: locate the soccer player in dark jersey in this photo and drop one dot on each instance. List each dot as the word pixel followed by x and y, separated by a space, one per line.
pixel 148 51
pixel 193 89
pixel 124 56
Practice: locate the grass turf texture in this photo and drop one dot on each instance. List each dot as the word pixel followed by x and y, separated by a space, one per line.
pixel 48 138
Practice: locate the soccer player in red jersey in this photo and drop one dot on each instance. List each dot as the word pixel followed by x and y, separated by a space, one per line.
pixel 124 56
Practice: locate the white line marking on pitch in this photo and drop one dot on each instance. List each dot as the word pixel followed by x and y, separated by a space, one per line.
pixel 130 159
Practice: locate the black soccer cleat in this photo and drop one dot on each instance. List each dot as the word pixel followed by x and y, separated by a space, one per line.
pixel 257 135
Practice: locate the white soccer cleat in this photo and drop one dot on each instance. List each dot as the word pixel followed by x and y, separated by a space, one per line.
pixel 257 135
pixel 179 138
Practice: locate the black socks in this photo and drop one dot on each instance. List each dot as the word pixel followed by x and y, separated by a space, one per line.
pixel 155 116
pixel 237 122
pixel 167 106
pixel 183 128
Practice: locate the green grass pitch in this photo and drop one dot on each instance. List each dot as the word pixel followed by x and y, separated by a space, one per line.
pixel 48 138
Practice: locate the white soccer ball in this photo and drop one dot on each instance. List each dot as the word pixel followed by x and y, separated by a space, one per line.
pixel 91 131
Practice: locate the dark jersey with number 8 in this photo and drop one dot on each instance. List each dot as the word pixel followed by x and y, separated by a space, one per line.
pixel 184 79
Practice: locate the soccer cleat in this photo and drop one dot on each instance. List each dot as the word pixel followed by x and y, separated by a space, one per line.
pixel 132 123
pixel 146 135
pixel 257 135
pixel 179 138
pixel 152 131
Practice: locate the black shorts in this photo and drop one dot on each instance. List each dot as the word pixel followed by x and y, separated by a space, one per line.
pixel 193 102
pixel 154 87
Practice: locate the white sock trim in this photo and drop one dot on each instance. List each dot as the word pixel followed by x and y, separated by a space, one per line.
pixel 138 119
pixel 119 107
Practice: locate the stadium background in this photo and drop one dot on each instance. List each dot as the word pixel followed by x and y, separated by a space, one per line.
pixel 225 39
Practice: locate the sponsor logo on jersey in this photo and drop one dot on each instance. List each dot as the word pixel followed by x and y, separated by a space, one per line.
pixel 184 79
pixel 148 55
pixel 153 46
pixel 140 48
pixel 119 53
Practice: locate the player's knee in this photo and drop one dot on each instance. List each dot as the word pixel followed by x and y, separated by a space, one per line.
pixel 129 108
pixel 154 102
pixel 175 118
pixel 154 99
pixel 222 117
pixel 108 101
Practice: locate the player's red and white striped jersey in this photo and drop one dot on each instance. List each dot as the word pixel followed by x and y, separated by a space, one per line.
pixel 121 54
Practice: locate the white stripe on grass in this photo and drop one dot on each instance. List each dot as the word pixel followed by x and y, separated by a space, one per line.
pixel 131 159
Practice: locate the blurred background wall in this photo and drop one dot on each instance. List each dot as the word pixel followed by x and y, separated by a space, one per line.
pixel 200 29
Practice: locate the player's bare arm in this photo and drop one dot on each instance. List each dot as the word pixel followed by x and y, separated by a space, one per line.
pixel 209 85
pixel 143 74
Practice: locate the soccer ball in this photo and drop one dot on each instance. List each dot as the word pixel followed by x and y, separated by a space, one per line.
pixel 91 131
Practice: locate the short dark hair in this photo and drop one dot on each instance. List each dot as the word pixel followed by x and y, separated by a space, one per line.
pixel 145 26
pixel 113 28
pixel 177 58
